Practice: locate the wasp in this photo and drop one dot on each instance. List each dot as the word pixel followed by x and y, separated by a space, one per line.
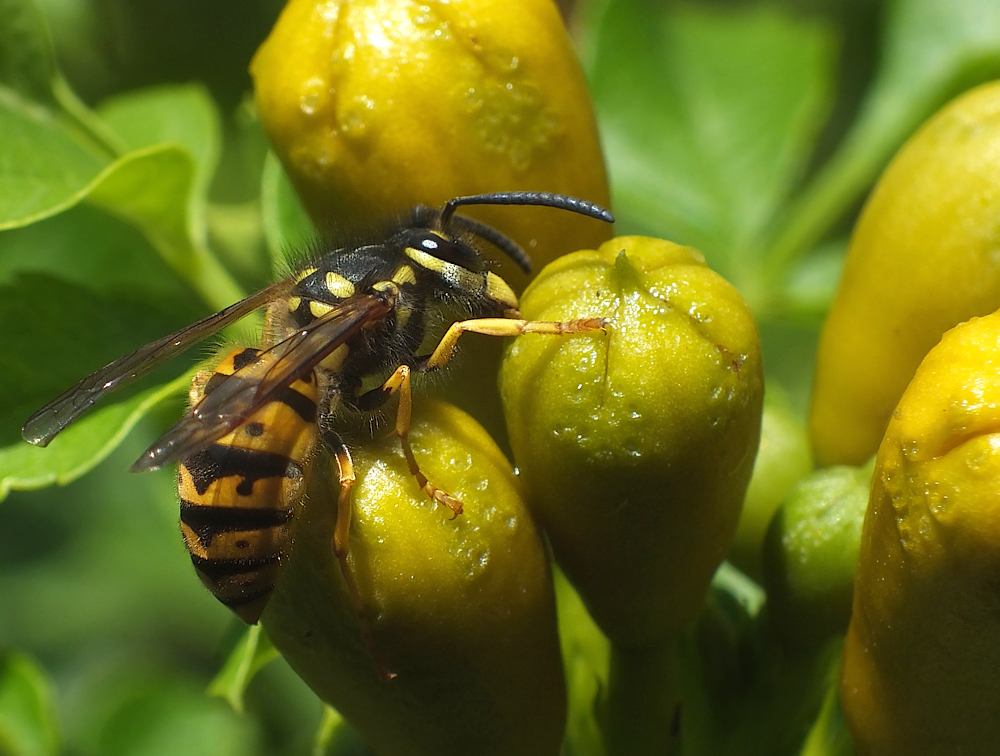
pixel 341 336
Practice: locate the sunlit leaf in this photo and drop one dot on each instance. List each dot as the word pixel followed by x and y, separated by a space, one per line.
pixel 931 51
pixel 708 118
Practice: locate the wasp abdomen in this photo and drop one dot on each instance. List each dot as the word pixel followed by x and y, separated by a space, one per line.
pixel 239 495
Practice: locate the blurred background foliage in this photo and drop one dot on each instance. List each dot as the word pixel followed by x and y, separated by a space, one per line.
pixel 751 130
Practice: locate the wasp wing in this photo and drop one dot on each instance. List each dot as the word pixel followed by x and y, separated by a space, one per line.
pixel 251 387
pixel 45 424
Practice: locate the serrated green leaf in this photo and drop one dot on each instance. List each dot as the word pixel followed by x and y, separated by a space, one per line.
pixel 250 655
pixel 708 118
pixel 930 51
pixel 27 716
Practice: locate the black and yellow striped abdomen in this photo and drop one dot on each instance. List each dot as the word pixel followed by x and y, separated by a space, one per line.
pixel 239 494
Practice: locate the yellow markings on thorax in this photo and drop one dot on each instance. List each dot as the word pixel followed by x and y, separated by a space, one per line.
pixel 387 287
pixel 293 303
pixel 338 286
pixel 319 309
pixel 304 274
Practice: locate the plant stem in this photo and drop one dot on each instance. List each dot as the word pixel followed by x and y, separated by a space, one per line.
pixel 642 713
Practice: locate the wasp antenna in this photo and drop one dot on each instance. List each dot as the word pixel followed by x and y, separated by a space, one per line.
pixel 544 199
pixel 499 240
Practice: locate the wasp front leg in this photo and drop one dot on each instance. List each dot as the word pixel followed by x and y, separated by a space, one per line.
pixel 507 327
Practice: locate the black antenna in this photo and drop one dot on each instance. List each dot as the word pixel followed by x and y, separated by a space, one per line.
pixel 500 240
pixel 544 199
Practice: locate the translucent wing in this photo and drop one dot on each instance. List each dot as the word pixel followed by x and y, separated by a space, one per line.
pixel 244 392
pixel 45 424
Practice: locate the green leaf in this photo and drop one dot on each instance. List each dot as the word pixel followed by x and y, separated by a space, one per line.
pixel 251 654
pixel 79 448
pixel 27 715
pixel 48 164
pixel 149 187
pixel 183 114
pixel 930 51
pixel 54 348
pixel 29 78
pixel 27 62
pixel 287 227
pixel 43 169
pixel 167 717
pixel 708 117
pixel 742 693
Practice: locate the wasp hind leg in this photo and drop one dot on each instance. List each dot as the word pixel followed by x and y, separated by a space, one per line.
pixel 345 467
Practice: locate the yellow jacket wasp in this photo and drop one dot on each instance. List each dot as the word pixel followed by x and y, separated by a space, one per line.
pixel 342 336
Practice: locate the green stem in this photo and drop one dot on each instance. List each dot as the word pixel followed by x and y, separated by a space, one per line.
pixel 642 712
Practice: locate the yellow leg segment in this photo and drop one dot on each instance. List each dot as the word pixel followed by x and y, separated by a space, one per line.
pixel 508 327
pixel 341 532
pixel 399 382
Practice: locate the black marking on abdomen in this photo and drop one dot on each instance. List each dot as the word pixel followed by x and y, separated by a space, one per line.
pixel 245 357
pixel 303 406
pixel 243 599
pixel 218 461
pixel 209 521
pixel 217 570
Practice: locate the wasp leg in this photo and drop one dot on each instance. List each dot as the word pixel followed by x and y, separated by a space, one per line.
pixel 506 327
pixel 399 382
pixel 345 466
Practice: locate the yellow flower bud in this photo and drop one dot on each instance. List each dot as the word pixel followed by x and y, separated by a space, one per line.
pixel 462 609
pixel 921 669
pixel 374 106
pixel 636 447
pixel 922 259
